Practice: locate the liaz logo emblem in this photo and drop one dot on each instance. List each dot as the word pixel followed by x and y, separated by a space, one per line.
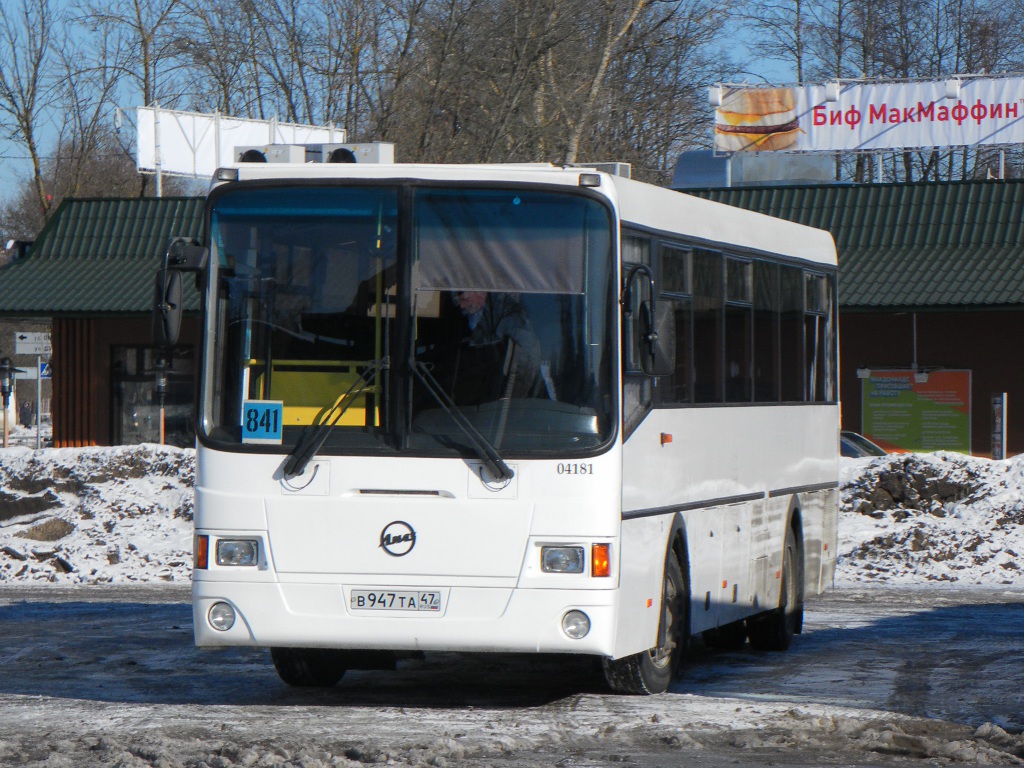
pixel 397 538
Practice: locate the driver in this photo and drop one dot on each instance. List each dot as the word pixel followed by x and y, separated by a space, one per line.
pixel 497 322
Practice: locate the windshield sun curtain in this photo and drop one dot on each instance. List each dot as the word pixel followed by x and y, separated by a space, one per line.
pixel 486 328
pixel 499 241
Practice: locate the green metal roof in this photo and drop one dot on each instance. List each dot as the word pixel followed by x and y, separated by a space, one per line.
pixel 99 256
pixel 910 246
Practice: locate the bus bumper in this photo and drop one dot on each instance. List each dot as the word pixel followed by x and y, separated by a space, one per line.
pixel 473 619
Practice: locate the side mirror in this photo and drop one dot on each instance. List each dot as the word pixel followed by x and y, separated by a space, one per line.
pixel 167 308
pixel 185 255
pixel 657 339
pixel 654 330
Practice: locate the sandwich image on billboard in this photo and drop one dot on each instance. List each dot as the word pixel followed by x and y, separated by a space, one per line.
pixel 757 120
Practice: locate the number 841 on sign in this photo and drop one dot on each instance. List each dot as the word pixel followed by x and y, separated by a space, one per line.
pixel 262 421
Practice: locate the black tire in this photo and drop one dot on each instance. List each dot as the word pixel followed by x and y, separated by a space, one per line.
pixel 652 671
pixel 730 637
pixel 309 667
pixel 774 630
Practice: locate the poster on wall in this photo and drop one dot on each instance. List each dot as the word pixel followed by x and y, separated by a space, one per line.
pixel 904 410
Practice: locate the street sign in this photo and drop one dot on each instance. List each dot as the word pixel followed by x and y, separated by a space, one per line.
pixel 32 343
pixel 45 371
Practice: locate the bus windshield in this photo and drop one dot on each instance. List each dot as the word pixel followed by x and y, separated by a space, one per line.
pixel 413 320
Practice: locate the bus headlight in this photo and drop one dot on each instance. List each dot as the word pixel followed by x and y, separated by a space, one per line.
pixel 237 552
pixel 576 624
pixel 561 559
pixel 222 616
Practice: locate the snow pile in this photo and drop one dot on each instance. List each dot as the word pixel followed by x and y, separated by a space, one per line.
pixel 96 515
pixel 102 515
pixel 943 517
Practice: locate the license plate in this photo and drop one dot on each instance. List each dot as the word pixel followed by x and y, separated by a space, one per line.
pixel 395 600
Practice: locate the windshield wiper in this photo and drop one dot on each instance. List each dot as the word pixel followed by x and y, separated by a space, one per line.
pixel 315 435
pixel 486 452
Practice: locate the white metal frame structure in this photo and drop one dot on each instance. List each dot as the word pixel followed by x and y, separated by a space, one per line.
pixel 672 471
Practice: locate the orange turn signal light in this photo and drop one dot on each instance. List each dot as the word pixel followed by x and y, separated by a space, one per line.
pixel 600 562
pixel 202 552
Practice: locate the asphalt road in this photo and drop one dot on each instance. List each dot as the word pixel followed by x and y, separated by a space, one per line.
pixel 109 676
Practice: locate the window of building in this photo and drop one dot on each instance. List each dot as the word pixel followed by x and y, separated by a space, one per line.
pixel 138 414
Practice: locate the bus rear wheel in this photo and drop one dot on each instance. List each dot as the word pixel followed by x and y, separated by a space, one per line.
pixel 774 631
pixel 309 667
pixel 652 671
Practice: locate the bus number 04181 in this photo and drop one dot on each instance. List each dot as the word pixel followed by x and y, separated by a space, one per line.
pixel 573 468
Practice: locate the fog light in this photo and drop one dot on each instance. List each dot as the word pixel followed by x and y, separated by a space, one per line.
pixel 222 616
pixel 576 624
pixel 561 559
pixel 237 552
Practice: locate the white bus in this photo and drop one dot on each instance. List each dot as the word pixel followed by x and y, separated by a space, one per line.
pixel 515 408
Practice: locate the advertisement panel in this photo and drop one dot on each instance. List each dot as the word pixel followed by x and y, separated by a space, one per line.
pixel 198 144
pixel 860 116
pixel 915 411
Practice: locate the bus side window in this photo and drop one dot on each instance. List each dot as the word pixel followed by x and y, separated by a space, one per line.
pixel 636 388
pixel 708 321
pixel 676 281
pixel 739 353
pixel 818 335
pixel 766 332
pixel 791 333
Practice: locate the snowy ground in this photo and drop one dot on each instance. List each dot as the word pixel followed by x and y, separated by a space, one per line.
pixel 124 515
pixel 918 519
pixel 108 676
pixel 95 516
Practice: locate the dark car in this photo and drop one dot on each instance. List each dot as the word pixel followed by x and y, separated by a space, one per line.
pixel 856 446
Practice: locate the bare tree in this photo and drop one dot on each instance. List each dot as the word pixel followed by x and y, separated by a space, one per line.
pixel 781 28
pixel 438 105
pixel 89 76
pixel 101 168
pixel 655 104
pixel 446 80
pixel 27 87
pixel 146 31
pixel 829 39
pixel 617 21
pixel 392 65
pixel 211 36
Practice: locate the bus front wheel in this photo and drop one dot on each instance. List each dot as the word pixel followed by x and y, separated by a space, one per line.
pixel 652 671
pixel 308 667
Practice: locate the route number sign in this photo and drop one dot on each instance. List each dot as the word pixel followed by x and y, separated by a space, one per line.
pixel 262 421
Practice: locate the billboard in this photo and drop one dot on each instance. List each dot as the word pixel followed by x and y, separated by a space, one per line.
pixel 863 116
pixel 197 144
pixel 904 410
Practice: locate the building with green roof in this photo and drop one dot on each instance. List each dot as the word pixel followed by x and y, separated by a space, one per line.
pixel 91 271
